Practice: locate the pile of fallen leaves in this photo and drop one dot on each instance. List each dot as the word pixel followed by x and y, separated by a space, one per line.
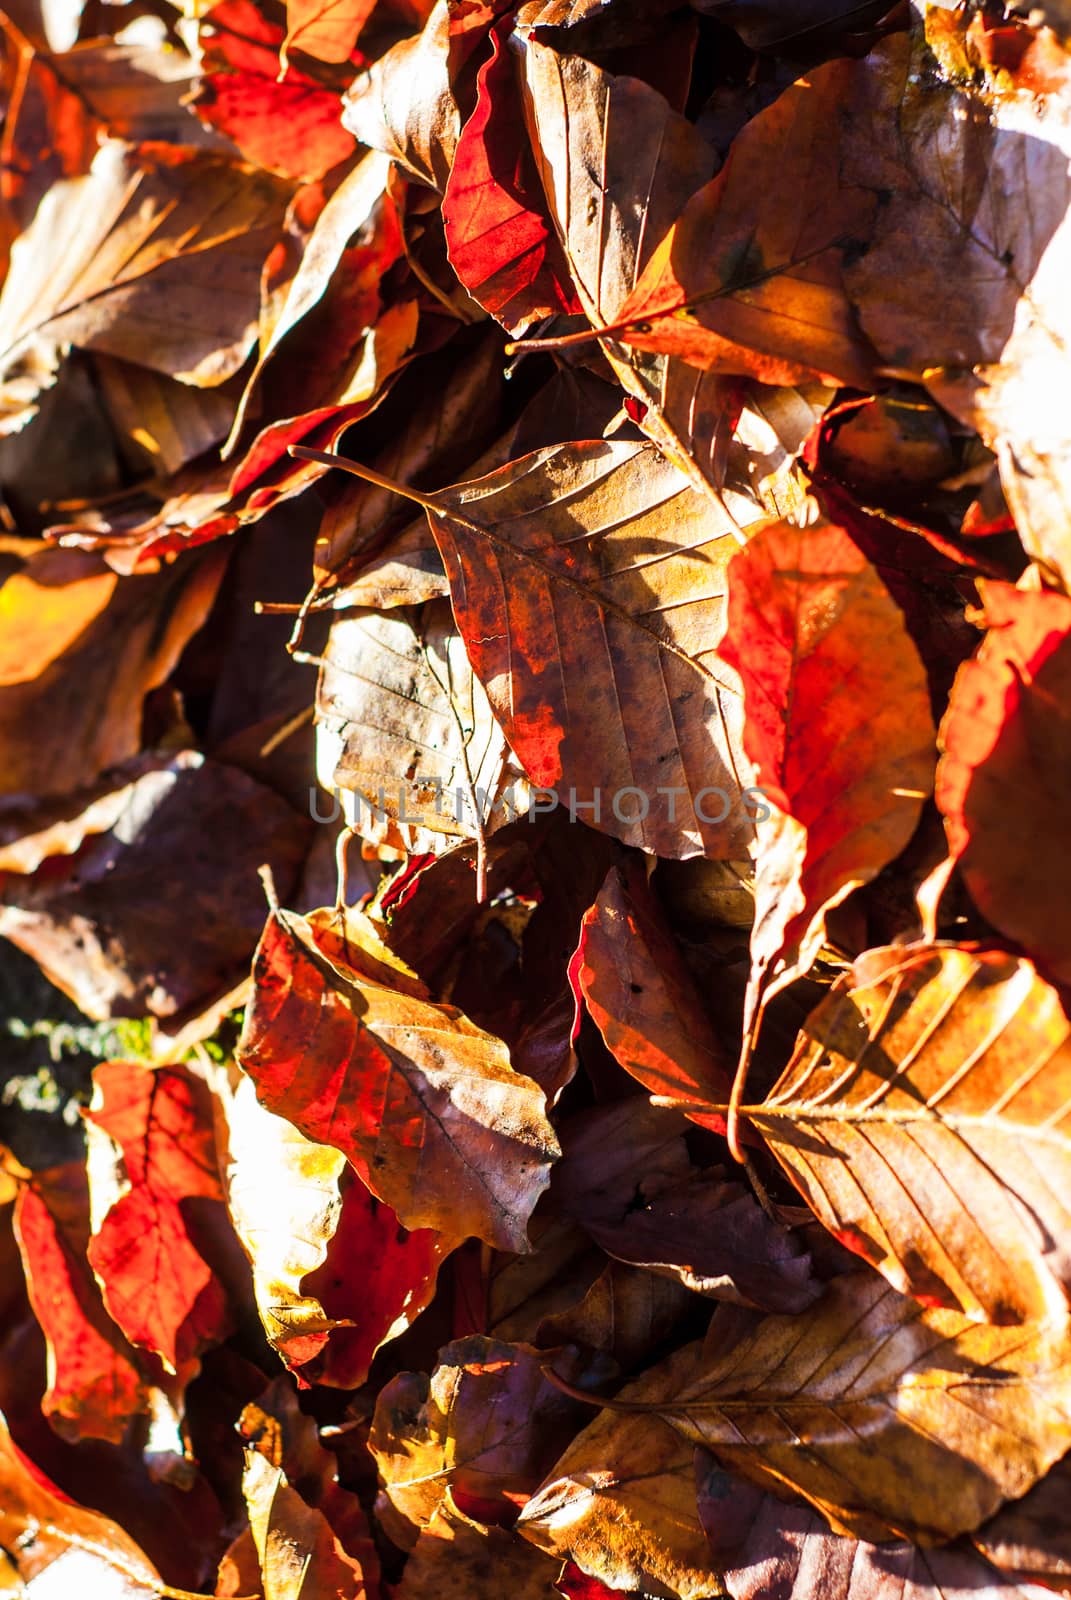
pixel 583 895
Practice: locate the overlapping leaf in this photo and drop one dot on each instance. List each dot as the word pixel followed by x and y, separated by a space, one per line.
pixel 357 1056
pixel 924 1118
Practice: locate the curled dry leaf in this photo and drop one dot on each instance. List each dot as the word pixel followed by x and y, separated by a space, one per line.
pixel 56 1543
pixel 1004 746
pixel 923 1116
pixel 278 1430
pixel 290 127
pixel 770 301
pixel 355 1055
pixel 405 732
pixel 788 1549
pixel 325 29
pixel 404 104
pixel 486 1426
pixel 627 1180
pixel 902 1409
pixel 299 1554
pixel 170 244
pixel 949 161
pixel 80 654
pixel 334 1274
pixel 456 1558
pixel 498 235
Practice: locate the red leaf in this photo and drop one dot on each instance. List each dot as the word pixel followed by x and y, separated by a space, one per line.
pixel 498 235
pixel 630 973
pixel 377 1276
pixel 94 1386
pixel 1006 751
pixel 341 1040
pixel 293 127
pixel 147 1252
pixel 837 722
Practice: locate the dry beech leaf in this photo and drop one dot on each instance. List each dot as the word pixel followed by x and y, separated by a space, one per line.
pixel 162 422
pixel 325 29
pixel 58 1546
pixel 626 1178
pixel 81 652
pixel 1004 754
pixel 457 1558
pixel 351 1051
pixel 588 583
pixel 290 127
pixel 626 1314
pixel 107 936
pixel 486 1426
pixel 1030 1535
pixel 310 1234
pixel 837 723
pixel 359 206
pixel 152 1248
pixel 95 1386
pixel 404 104
pixel 949 163
pixel 405 734
pixel 300 1556
pixel 923 1116
pixel 631 976
pixel 621 1501
pixel 498 236
pixel 895 1421
pixel 770 301
pixel 789 1550
pixel 278 1430
pixel 165 271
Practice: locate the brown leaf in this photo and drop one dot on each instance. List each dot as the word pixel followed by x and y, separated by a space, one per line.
pixel 770 301
pixel 631 976
pixel 80 654
pixel 486 1426
pixel 588 583
pixel 300 1556
pixel 626 1179
pixel 56 1543
pixel 405 733
pixel 404 104
pixel 456 1558
pixel 884 1415
pixel 107 937
pixel 904 1115
pixel 1030 1535
pixel 621 1504
pixel 324 1022
pixel 950 163
pixel 325 29
pixel 788 1549
pixel 170 243
pixel 277 1429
